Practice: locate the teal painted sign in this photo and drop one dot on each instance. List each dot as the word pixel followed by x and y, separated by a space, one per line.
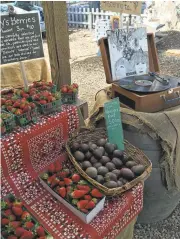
pixel 113 123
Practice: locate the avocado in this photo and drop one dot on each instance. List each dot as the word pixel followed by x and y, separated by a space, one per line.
pixel 102 149
pixel 84 148
pixel 100 179
pixel 79 156
pixel 117 172
pixel 110 166
pixel 115 146
pixel 109 148
pixel 110 184
pixel 91 172
pixel 118 153
pixel 117 162
pixel 97 165
pixel 75 146
pixel 86 164
pixel 110 177
pixel 138 169
pixel 101 142
pixel 93 160
pixel 98 153
pixel 105 160
pixel 102 170
pixel 127 173
pixel 119 183
pixel 130 164
pixel 88 155
pixel 92 147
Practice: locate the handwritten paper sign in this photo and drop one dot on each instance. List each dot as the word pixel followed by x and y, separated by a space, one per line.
pixel 20 38
pixel 133 7
pixel 113 123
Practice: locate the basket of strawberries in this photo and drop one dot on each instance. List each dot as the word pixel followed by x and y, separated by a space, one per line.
pixel 18 222
pixel 43 86
pixel 7 122
pixel 69 93
pixel 47 102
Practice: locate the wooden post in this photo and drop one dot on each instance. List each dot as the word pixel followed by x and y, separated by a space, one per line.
pixel 58 41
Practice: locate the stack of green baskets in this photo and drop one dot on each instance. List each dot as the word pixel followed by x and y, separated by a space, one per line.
pixel 49 108
pixel 7 122
pixel 28 117
pixel 69 98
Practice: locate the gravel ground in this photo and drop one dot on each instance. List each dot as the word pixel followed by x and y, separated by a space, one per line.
pixel 87 70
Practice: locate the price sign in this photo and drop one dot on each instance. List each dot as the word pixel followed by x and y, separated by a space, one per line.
pixel 113 123
pixel 20 38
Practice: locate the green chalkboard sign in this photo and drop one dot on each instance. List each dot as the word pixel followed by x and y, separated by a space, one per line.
pixel 113 123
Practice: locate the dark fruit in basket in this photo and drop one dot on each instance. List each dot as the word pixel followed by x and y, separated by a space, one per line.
pixel 102 149
pixel 100 179
pixel 86 164
pixel 130 164
pixel 101 142
pixel 110 166
pixel 123 180
pixel 127 173
pixel 119 183
pixel 106 154
pixel 98 153
pixel 117 172
pixel 88 155
pixel 138 169
pixel 84 148
pixel 110 184
pixel 118 154
pixel 104 160
pixel 115 146
pixel 75 147
pixel 92 147
pixel 102 170
pixel 110 177
pixel 91 172
pixel 117 162
pixel 97 165
pixel 93 160
pixel 125 159
pixel 79 156
pixel 109 148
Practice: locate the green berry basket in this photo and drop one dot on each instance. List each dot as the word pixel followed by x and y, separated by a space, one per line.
pixel 7 124
pixel 69 98
pixel 27 118
pixel 49 108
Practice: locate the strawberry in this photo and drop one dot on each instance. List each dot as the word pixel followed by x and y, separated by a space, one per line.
pixel 64 89
pixel 61 183
pixel 62 192
pixel 84 187
pixel 3 101
pixel 24 95
pixel 55 182
pixel 8 102
pixel 43 102
pixel 32 105
pixel 5 204
pixel 26 216
pixel 58 166
pixel 18 112
pixel 82 204
pixel 17 203
pixel 13 225
pixel 4 221
pixel 28 225
pixel 75 85
pixel 50 179
pixel 63 174
pixel 96 193
pixel 90 205
pixel 22 105
pixel 9 108
pixel 68 181
pixel 12 237
pixel 87 197
pixel 26 108
pixel 7 212
pixel 19 231
pixel 27 235
pixel 49 99
pixel 76 178
pixel 84 210
pixel 40 231
pixel 78 193
pixel 51 168
pixel 12 217
pixel 17 210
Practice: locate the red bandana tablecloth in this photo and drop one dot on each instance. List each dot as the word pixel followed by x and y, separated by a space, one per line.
pixel 28 152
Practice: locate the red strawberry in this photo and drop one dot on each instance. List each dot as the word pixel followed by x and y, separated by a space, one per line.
pixel 43 102
pixel 84 187
pixel 51 168
pixel 40 231
pixel 26 108
pixel 50 179
pixel 82 204
pixel 18 112
pixel 78 193
pixel 32 105
pixel 87 197
pixel 19 231
pixel 17 211
pixel 7 212
pixel 17 204
pixel 4 221
pixel 90 205
pixel 3 101
pixel 5 204
pixel 55 182
pixel 84 210
pixel 96 193
pixel 14 224
pixel 58 166
pixel 64 89
pixel 68 181
pixel 76 178
pixel 12 217
pixel 62 192
pixel 24 95
pixel 27 235
pixel 12 237
pixel 26 216
pixel 43 237
pixel 49 98
pixel 28 225
pixel 63 174
pixel 61 183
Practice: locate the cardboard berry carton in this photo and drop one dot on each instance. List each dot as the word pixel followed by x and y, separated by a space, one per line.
pixel 17 222
pixel 82 198
pixel 69 93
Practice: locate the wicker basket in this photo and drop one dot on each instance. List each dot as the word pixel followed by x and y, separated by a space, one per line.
pixel 86 135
